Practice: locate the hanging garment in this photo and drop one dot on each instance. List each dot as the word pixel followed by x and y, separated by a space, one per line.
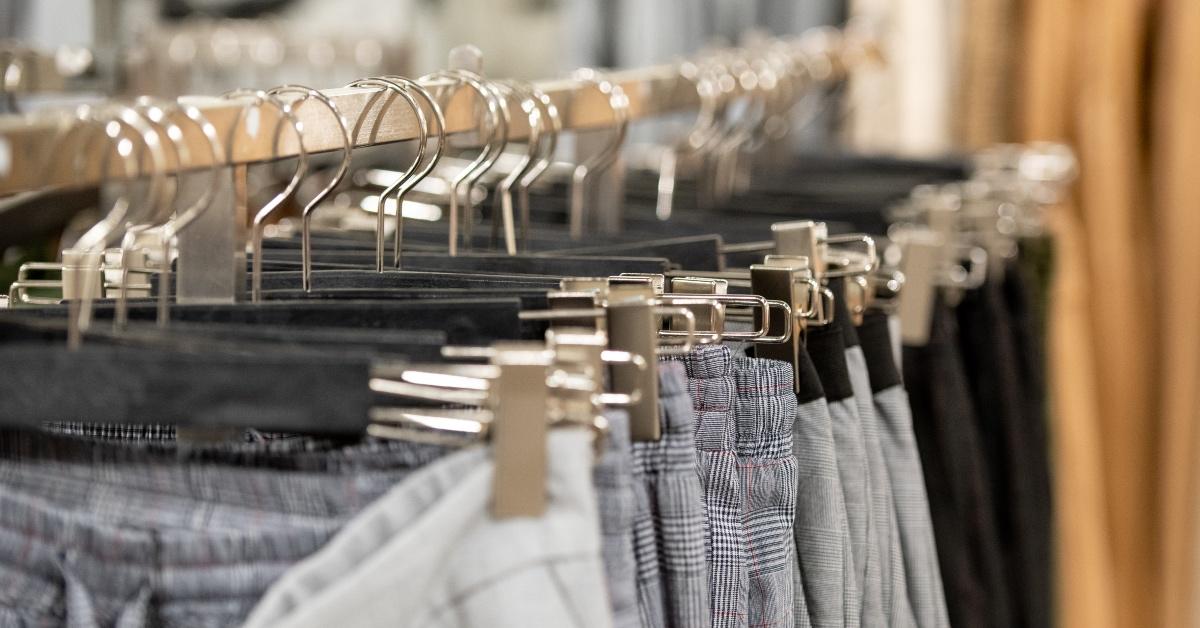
pixel 198 533
pixel 989 352
pixel 826 347
pixel 669 525
pixel 613 478
pixel 476 570
pixel 926 594
pixel 765 413
pixel 893 593
pixel 821 529
pixel 711 386
pixel 956 478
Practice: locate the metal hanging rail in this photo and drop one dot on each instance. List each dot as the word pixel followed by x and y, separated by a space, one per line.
pixel 33 155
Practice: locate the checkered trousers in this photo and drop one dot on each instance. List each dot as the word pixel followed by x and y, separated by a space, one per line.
pixel 669 514
pixel 765 413
pixel 114 431
pixel 822 531
pixel 613 479
pixel 894 583
pixel 925 591
pixel 712 388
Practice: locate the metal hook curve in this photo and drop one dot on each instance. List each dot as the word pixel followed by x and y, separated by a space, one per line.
pixel 385 84
pixel 260 98
pixel 343 167
pixel 619 102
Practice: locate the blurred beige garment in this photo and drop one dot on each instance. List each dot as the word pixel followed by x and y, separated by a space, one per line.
pixel 1085 581
pixel 1119 80
pixel 1176 195
pixel 984 96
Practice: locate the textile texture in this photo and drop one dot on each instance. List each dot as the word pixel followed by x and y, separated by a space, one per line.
pixel 765 412
pixel 613 478
pixel 712 389
pixel 822 531
pixel 669 527
pixel 477 570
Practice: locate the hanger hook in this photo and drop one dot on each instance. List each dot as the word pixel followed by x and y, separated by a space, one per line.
pixel 84 251
pixel 504 189
pixel 396 88
pixel 161 199
pixel 496 126
pixel 258 99
pixel 434 159
pixel 347 148
pixel 553 126
pixel 184 219
pixel 602 160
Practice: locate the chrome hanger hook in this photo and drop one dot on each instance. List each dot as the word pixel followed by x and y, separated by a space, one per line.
pixel 260 98
pixel 384 85
pixel 496 126
pixel 403 190
pixel 553 122
pixel 344 166
pixel 184 219
pixel 505 189
pixel 618 101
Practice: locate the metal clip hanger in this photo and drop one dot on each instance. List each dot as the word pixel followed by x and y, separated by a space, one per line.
pixel 522 391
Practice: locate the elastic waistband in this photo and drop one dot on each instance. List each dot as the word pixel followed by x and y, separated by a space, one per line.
pixel 284 454
pixel 676 451
pixel 707 361
pixel 766 407
pixel 841 313
pixel 712 404
pixel 674 399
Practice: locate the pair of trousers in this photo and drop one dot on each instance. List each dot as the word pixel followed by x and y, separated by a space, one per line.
pixel 96 525
pixel 822 532
pixel 765 413
pixel 926 594
pixel 827 349
pixel 956 478
pixel 712 388
pixel 613 479
pixel 669 514
pixel 429 553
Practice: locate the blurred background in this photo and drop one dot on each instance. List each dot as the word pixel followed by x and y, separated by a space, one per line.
pixel 1117 80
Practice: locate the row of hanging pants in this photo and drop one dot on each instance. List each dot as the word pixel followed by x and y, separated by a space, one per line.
pixel 869 484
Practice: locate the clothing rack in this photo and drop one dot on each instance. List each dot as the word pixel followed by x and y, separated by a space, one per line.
pixel 33 155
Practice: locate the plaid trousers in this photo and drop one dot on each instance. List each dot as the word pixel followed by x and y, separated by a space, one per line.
pixel 669 514
pixel 198 537
pixel 765 413
pixel 822 530
pixel 461 567
pixel 827 350
pixel 613 478
pixel 712 388
pixel 926 594
pixel 894 583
